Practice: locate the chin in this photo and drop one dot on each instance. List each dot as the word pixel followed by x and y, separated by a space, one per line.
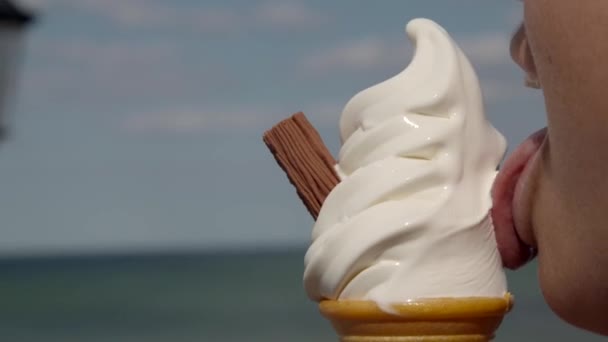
pixel 575 303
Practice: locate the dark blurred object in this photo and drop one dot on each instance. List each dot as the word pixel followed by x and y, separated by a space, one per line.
pixel 13 21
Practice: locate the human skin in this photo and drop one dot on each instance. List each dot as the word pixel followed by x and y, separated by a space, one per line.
pixel 561 204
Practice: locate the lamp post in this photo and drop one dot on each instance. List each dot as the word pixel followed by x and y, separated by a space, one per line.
pixel 13 21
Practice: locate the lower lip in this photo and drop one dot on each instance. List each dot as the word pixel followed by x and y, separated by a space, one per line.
pixel 521 204
pixel 510 201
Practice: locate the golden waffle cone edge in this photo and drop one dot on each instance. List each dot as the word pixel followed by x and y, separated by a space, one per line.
pixel 473 319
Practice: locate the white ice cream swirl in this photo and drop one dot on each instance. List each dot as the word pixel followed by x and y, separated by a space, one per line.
pixel 410 217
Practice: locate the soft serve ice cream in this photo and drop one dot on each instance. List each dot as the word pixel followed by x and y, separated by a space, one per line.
pixel 410 216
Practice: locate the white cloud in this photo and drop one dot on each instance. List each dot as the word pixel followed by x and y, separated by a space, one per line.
pixel 211 20
pixel 192 119
pixel 324 113
pixel 110 54
pixel 33 4
pixel 515 16
pixel 149 14
pixel 77 74
pixel 486 49
pixel 365 53
pixel 145 14
pixel 181 119
pixel 498 91
pixel 130 12
pixel 288 14
pixel 119 11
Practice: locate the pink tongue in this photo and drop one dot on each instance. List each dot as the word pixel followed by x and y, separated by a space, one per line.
pixel 513 251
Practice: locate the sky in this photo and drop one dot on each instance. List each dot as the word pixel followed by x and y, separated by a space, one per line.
pixel 137 124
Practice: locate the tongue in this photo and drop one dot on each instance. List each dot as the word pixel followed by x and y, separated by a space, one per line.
pixel 513 250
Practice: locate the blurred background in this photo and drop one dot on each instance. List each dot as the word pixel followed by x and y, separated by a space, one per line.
pixel 138 201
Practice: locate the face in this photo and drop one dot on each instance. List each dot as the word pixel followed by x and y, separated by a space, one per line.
pixel 551 193
pixel 564 56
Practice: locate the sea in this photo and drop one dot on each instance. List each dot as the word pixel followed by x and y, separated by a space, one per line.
pixel 194 297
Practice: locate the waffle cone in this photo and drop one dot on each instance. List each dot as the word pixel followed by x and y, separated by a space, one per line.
pixel 442 320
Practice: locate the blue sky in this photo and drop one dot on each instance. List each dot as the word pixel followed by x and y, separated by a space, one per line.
pixel 138 123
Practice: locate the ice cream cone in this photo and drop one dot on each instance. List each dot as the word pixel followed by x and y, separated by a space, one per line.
pixel 442 320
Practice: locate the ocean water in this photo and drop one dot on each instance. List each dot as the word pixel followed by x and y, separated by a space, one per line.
pixel 205 297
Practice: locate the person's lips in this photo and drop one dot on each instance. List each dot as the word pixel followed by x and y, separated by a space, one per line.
pixel 510 186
